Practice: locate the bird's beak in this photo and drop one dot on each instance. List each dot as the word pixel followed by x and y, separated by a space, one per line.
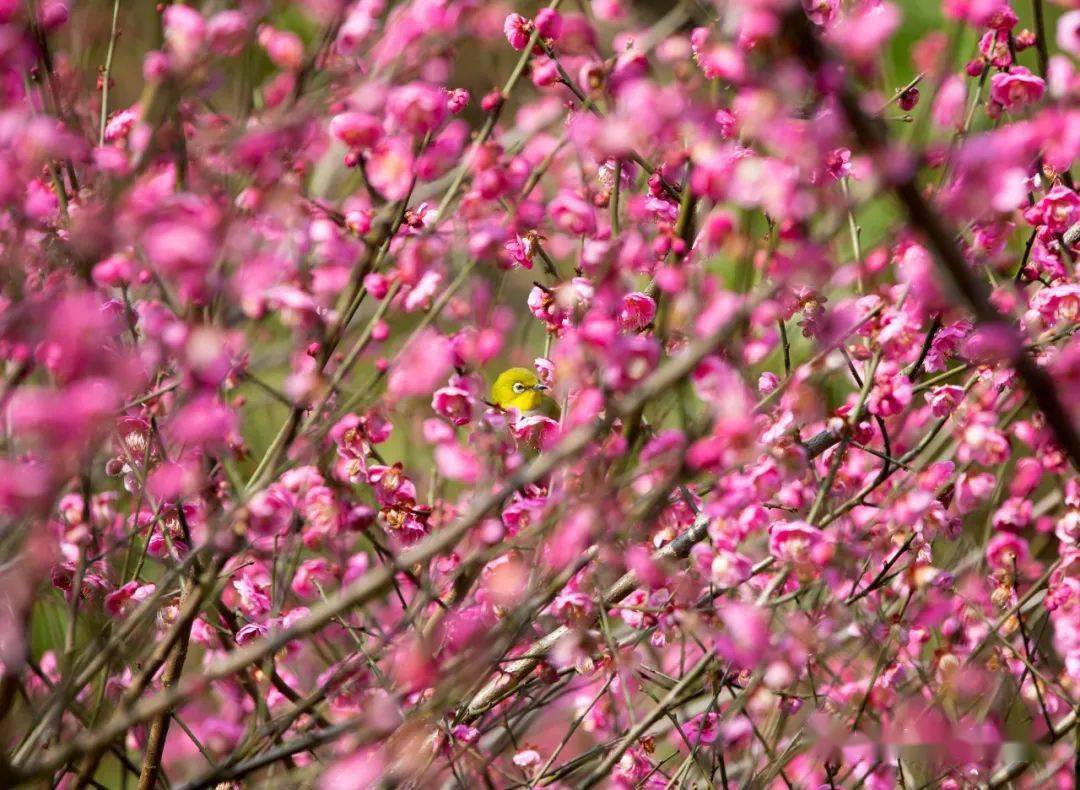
pixel 541 387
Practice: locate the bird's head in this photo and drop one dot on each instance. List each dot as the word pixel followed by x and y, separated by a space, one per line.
pixel 518 388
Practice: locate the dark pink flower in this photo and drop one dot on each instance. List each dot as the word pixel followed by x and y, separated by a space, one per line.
pixel 821 12
pixel 185 34
pixel 313 577
pixel 572 214
pixel 453 403
pixel 54 14
pixel 284 48
pixel 1060 303
pixel 802 546
pixel 549 24
pixel 422 366
pixel 120 602
pixel 745 639
pixel 204 421
pixel 637 312
pixel 1068 33
pixel 390 168
pixel 703 729
pixel 1058 210
pixel 455 462
pixel 518 30
pixel 994 46
pixel 1016 88
pixel 356 130
pixel 227 32
pixel 419 108
pixel 890 395
pixel 1006 550
pixel 948 107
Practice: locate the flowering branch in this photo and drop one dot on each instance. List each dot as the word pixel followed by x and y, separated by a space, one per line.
pixel 308 478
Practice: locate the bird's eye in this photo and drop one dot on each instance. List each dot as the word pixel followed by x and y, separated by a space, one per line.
pixel 519 387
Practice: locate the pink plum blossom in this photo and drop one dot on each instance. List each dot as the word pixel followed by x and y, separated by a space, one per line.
pixel 797 501
pixel 1016 88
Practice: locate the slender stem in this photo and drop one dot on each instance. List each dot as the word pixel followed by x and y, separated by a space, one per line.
pixel 378 581
pixel 107 72
pixel 659 711
pixel 1040 38
pixel 614 205
pixel 785 345
pixel 872 136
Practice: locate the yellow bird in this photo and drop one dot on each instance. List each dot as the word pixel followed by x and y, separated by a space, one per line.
pixel 519 388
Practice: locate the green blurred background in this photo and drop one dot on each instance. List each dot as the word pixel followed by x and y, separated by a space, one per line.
pixel 84 43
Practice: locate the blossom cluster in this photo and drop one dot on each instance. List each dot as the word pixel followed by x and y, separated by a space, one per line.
pixel 798 281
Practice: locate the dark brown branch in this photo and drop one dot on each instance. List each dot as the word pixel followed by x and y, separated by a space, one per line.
pixel 873 137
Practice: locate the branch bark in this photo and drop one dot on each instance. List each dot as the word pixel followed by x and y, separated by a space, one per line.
pixel 379 581
pixel 871 135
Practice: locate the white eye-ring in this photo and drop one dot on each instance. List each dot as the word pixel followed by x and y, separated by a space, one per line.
pixel 519 387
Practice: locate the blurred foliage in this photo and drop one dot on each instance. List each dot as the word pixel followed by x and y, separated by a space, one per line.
pixel 85 42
